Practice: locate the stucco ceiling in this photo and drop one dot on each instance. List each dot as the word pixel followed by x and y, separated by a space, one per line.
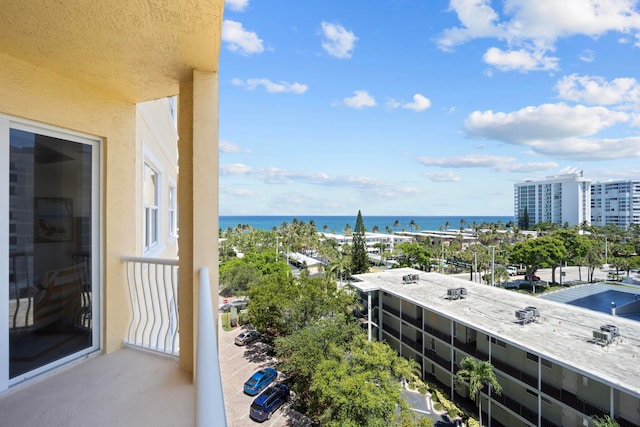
pixel 135 49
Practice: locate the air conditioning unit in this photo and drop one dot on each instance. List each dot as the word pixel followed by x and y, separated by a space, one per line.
pixel 611 329
pixel 602 337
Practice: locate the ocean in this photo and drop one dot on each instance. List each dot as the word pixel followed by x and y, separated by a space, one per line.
pixel 337 223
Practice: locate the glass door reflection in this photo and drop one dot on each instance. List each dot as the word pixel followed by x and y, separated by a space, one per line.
pixel 50 240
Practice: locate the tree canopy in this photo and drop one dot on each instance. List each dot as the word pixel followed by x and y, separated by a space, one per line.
pixel 359 255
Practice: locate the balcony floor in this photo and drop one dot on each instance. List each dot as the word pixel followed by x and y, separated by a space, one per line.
pixel 125 388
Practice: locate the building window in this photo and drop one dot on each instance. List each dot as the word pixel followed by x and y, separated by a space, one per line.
pixel 532 357
pixel 173 221
pixel 547 364
pixel 151 202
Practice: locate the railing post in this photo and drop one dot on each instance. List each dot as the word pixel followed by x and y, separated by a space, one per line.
pixel 209 398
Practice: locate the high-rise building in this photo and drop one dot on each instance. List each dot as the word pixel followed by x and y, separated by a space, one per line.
pixel 559 199
pixel 616 203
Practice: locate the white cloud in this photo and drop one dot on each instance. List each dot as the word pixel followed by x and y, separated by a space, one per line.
pixel 236 169
pixel 229 147
pixel 442 177
pixel 478 20
pixel 587 55
pixel 557 130
pixel 338 42
pixel 519 60
pixel 544 122
pixel 597 91
pixel 271 87
pixel 535 26
pixel 236 5
pixel 469 161
pixel 498 163
pixel 242 192
pixel 240 40
pixel 360 99
pixel 277 176
pixel 420 103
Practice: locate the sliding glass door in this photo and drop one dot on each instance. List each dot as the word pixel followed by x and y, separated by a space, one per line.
pixel 49 285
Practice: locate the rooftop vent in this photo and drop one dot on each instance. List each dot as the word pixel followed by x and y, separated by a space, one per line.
pixel 456 293
pixel 527 315
pixel 410 278
pixel 606 335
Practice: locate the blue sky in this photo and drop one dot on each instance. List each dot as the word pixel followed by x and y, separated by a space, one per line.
pixel 422 107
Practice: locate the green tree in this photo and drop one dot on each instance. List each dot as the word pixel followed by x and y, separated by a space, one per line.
pixel 523 219
pixel 605 421
pixel 359 255
pixel 477 374
pixel 269 304
pixel 361 387
pixel 237 276
pixel 413 255
pixel 545 252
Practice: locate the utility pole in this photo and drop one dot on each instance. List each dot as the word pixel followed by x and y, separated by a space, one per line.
pixel 493 266
pixel 475 266
pixel 277 248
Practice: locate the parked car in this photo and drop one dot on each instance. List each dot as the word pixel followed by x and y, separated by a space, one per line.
pixel 533 278
pixel 513 271
pixel 259 381
pixel 247 337
pixel 268 402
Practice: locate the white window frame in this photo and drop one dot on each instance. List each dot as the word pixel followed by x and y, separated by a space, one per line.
pixel 150 230
pixel 172 210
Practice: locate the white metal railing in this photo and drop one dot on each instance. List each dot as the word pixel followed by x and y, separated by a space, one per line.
pixel 153 293
pixel 209 397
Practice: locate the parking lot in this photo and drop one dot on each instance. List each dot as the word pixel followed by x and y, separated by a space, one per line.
pixel 237 364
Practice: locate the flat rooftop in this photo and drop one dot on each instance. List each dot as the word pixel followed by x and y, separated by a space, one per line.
pixel 562 335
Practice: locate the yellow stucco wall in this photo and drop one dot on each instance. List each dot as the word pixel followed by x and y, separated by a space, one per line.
pixel 158 135
pixel 198 203
pixel 35 94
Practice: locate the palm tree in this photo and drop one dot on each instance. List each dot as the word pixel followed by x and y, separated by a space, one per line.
pixel 477 374
pixel 375 229
pixel 340 267
pixel 447 224
pixel 396 224
pixel 387 229
pixel 347 229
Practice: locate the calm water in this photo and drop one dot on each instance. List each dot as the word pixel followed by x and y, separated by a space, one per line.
pixel 602 302
pixel 338 223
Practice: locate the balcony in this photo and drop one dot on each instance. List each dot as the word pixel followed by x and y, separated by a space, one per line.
pixel 140 384
pixel 125 388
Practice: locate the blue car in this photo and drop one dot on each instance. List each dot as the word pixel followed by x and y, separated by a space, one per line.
pixel 268 402
pixel 259 381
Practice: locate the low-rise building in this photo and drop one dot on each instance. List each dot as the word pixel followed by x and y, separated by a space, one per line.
pixel 558 365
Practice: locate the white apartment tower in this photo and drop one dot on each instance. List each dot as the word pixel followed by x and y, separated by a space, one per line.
pixel 616 203
pixel 559 199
